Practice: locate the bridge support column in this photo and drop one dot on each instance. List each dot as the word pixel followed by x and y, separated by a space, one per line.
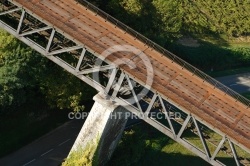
pixel 100 133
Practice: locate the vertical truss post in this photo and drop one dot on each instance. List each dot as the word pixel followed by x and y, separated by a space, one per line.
pixel 118 85
pixel 50 40
pixel 133 92
pixel 20 21
pixel 111 80
pixel 80 59
pixel 234 152
pixel 202 139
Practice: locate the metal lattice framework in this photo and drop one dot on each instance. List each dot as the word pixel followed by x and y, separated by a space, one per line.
pixel 119 85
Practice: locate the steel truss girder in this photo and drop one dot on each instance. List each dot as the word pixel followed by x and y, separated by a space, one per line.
pixel 105 89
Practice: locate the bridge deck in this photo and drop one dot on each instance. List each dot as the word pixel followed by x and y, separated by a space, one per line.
pixel 180 85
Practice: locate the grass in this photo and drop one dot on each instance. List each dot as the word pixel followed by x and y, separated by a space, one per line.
pixel 222 40
pixel 246 95
pixel 144 145
pixel 210 57
pixel 229 72
pixel 217 55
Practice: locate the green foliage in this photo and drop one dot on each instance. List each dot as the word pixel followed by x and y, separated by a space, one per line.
pixel 143 145
pixel 247 95
pixel 153 19
pixel 24 74
pixel 218 17
pixel 210 57
pixel 242 52
pixel 14 76
pixel 171 17
pixel 132 7
pixel 168 20
pixel 132 148
pixel 63 90
pixel 228 72
pixel 86 156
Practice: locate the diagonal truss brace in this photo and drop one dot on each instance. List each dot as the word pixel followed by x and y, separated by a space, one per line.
pixel 96 69
pixel 63 50
pixel 20 22
pixel 234 152
pixel 35 31
pixel 184 126
pixel 167 115
pixel 10 11
pixel 202 138
pixel 218 147
pixel 80 60
pixel 50 41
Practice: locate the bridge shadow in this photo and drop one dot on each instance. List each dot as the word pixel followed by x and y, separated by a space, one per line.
pixel 210 57
pixel 151 156
pixel 143 146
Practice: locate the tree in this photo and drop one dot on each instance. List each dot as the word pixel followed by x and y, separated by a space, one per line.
pixel 24 74
pixel 14 58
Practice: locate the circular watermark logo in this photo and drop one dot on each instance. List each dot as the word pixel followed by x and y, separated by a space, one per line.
pixel 128 81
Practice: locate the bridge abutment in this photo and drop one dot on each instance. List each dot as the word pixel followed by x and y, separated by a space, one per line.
pixel 101 132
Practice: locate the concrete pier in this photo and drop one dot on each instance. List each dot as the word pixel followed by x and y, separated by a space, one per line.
pixel 101 131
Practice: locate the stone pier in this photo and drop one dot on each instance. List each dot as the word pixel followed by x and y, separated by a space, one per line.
pixel 101 131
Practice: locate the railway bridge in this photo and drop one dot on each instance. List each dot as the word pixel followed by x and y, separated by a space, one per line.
pixel 132 75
